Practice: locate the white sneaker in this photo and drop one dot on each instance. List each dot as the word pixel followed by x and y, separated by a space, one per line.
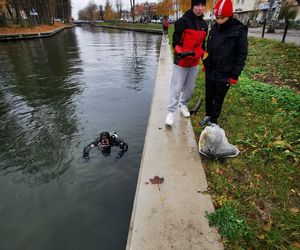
pixel 184 111
pixel 169 119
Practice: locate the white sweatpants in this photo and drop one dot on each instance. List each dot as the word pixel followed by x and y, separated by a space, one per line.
pixel 183 80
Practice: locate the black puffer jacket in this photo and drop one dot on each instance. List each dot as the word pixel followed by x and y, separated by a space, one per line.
pixel 227 47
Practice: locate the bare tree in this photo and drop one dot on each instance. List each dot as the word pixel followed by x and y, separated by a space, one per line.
pixel 46 10
pixel 287 13
pixel 132 9
pixel 119 4
pixel 273 15
pixel 2 13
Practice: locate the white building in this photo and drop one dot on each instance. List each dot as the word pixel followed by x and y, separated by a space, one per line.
pixel 259 9
pixel 246 9
pixel 245 5
pixel 249 10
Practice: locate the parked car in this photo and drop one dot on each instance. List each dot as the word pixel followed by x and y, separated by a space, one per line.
pixel 261 20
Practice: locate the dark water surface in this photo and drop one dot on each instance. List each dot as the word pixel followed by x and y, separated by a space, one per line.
pixel 56 96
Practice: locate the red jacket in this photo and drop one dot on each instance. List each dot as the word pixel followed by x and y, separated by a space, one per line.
pixel 167 23
pixel 189 35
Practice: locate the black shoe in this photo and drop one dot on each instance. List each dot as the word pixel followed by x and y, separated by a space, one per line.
pixel 205 121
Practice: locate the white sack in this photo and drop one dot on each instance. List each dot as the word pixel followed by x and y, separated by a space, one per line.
pixel 213 143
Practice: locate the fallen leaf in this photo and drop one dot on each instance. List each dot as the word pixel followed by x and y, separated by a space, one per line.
pixel 157 180
pixel 258 176
pixel 296 244
pixel 261 237
pixel 220 171
pixel 282 144
pixel 274 100
pixel 294 210
pixel 267 227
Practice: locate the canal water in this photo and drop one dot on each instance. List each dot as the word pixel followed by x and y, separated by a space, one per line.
pixel 56 96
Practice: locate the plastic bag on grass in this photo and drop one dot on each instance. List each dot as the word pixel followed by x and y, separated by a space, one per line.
pixel 213 143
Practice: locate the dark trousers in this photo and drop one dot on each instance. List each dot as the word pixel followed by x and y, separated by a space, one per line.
pixel 214 98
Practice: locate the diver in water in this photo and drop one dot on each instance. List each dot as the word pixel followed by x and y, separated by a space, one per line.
pixel 104 143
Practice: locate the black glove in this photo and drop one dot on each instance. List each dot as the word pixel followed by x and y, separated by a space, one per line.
pixel 186 54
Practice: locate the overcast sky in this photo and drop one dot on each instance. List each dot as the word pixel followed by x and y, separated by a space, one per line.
pixel 80 4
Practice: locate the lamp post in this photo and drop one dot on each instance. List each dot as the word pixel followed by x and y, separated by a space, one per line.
pixel 63 11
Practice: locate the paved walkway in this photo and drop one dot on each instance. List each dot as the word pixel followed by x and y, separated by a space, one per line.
pixel 293 36
pixel 173 215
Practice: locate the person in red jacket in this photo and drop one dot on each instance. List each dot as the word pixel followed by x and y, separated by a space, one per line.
pixel 189 46
pixel 227 48
pixel 165 25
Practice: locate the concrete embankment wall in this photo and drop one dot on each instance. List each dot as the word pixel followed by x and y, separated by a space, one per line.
pixel 171 215
pixel 10 37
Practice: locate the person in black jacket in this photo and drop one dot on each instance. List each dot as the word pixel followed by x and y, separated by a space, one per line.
pixel 188 42
pixel 227 48
pixel 104 142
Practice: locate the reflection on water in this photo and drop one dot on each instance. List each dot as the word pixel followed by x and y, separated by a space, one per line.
pixel 37 111
pixel 56 96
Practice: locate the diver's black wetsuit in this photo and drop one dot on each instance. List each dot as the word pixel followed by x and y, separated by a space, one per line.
pixel 104 143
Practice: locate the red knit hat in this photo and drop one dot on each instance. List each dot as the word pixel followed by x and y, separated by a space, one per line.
pixel 223 8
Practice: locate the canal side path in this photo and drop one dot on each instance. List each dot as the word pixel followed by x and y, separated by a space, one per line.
pixel 293 36
pixel 172 214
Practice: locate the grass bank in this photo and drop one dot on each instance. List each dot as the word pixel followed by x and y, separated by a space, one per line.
pixel 257 194
pixel 155 27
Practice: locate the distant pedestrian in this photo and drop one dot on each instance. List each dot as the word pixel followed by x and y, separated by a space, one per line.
pixel 188 43
pixel 165 25
pixel 227 48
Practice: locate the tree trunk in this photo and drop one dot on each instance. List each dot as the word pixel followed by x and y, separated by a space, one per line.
pixel 10 13
pixel 285 30
pixel 271 28
pixel 132 5
pixel 2 20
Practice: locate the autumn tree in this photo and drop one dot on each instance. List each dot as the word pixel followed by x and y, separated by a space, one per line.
pixel 47 10
pixel 165 8
pixel 119 5
pixel 90 12
pixel 183 5
pixel 2 13
pixel 2 5
pixel 209 5
pixel 108 11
